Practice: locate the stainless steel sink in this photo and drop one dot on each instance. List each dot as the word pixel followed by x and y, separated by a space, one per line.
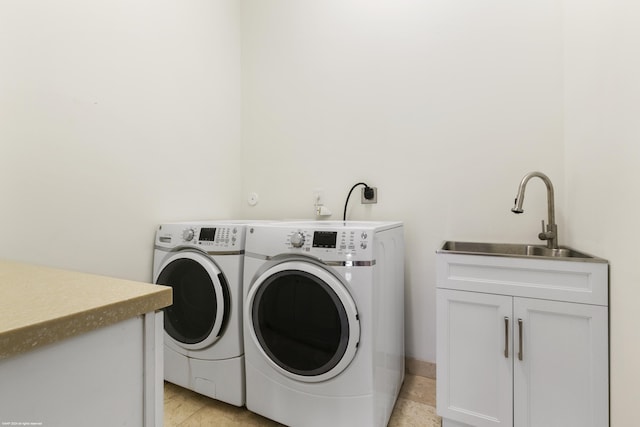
pixel 517 250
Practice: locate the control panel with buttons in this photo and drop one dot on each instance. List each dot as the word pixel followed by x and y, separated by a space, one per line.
pixel 327 241
pixel 212 237
pixel 218 237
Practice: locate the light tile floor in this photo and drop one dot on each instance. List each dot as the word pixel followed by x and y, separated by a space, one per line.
pixel 184 408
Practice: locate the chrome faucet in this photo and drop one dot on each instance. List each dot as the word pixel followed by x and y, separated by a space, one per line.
pixel 551 233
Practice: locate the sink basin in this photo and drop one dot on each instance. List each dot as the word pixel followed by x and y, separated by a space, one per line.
pixel 517 250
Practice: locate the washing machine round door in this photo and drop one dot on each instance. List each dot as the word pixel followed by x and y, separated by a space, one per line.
pixel 303 320
pixel 201 305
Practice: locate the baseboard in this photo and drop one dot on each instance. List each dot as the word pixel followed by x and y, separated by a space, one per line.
pixel 420 367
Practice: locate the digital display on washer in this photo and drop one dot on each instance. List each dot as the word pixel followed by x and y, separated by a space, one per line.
pixel 324 239
pixel 207 234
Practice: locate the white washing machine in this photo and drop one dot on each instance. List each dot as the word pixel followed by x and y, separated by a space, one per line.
pixel 324 321
pixel 203 346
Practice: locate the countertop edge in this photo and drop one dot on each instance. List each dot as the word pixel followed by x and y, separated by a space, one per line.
pixel 37 335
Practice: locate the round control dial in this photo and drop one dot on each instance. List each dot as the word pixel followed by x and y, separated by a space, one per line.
pixel 297 240
pixel 188 234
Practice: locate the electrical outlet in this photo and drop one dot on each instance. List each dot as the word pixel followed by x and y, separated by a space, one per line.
pixel 372 200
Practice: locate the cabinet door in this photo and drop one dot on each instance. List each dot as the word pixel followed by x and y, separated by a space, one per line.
pixel 474 372
pixel 562 379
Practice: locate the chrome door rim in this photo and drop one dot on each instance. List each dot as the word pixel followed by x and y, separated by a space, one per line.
pixel 212 270
pixel 345 299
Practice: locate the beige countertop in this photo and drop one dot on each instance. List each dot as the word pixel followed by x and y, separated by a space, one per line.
pixel 40 305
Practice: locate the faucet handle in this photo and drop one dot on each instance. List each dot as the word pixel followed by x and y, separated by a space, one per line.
pixel 544 235
pixel 549 234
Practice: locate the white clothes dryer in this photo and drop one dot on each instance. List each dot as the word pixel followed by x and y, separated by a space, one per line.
pixel 324 321
pixel 203 345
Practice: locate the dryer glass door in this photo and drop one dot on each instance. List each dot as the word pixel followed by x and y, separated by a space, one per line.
pixel 200 306
pixel 304 320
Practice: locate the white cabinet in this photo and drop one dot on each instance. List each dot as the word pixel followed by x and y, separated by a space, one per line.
pixel 111 376
pixel 474 379
pixel 505 360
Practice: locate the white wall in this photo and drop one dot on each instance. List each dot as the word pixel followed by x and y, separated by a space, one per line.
pixel 114 116
pixel 443 105
pixel 603 178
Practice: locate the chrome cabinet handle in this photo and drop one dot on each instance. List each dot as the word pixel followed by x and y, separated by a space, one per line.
pixel 506 337
pixel 520 354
